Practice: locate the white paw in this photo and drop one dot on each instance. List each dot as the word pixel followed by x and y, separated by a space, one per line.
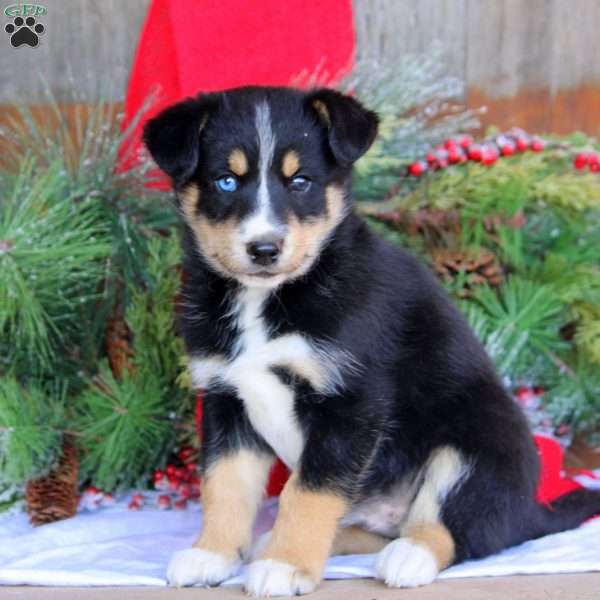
pixel 402 563
pixel 273 578
pixel 195 565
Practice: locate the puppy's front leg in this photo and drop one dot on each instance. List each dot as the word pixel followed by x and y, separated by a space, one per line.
pixel 232 489
pixel 301 540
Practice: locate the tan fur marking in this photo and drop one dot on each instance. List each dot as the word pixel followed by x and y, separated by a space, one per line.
pixel 355 540
pixel 290 164
pixel 436 538
pixel 217 241
pixel 238 163
pixel 321 108
pixel 231 493
pixel 305 528
pixel 306 238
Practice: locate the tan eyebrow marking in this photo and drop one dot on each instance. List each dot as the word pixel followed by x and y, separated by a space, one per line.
pixel 290 164
pixel 238 162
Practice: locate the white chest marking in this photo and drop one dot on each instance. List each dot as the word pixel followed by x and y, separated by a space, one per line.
pixel 268 401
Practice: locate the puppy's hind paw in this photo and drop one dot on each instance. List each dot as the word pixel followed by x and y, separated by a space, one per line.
pixel 197 566
pixel 402 563
pixel 273 578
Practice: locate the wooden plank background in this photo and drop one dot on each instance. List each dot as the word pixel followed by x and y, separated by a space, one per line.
pixel 534 63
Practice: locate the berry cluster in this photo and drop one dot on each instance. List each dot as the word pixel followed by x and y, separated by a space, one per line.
pixel 93 498
pixel 591 160
pixel 180 481
pixel 463 148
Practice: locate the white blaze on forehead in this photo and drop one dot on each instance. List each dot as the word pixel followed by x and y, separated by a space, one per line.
pixel 259 223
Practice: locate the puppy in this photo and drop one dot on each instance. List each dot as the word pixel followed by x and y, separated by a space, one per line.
pixel 318 343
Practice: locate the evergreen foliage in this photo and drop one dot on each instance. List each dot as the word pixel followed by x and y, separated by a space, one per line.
pixel 541 219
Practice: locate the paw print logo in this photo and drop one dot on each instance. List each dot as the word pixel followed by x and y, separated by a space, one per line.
pixel 24 31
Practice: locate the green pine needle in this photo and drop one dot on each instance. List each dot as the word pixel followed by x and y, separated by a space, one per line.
pixel 48 270
pixel 31 422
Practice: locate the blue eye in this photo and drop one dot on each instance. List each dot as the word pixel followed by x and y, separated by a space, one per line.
pixel 299 183
pixel 227 183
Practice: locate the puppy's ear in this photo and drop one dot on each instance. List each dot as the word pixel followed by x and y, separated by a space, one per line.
pixel 351 127
pixel 173 137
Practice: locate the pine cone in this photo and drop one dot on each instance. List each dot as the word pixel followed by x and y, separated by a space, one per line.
pixel 429 223
pixel 479 266
pixel 118 345
pixel 54 496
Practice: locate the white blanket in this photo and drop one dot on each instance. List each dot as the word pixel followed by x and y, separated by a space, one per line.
pixel 119 547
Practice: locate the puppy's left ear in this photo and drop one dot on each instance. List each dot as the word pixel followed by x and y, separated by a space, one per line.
pixel 351 127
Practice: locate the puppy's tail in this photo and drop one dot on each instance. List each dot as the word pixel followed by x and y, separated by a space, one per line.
pixel 566 512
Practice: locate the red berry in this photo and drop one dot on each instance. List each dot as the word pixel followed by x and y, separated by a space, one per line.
pixel 537 145
pixel 191 466
pixel 538 390
pixel 464 141
pixel 185 491
pixel 163 502
pixel 508 149
pixel 431 157
pixel 453 155
pixel 417 169
pixel 158 475
pixel 186 453
pixel 522 143
pixel 581 161
pixel 595 167
pixel 489 156
pixel 171 469
pixel 593 158
pixel 180 504
pixel 450 144
pixel 475 152
pixel 134 505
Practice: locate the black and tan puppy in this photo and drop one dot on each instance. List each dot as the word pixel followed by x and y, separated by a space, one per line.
pixel 319 343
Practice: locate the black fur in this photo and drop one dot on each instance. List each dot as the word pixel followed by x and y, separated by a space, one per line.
pixel 424 379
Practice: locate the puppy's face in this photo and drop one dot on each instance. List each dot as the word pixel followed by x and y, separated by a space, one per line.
pixel 261 174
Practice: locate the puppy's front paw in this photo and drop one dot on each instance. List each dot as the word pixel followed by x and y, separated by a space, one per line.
pixel 273 578
pixel 402 563
pixel 194 565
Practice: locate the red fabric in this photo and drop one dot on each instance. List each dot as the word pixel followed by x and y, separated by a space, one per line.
pixel 207 45
pixel 553 480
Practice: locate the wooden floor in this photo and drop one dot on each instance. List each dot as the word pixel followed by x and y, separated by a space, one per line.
pixel 585 586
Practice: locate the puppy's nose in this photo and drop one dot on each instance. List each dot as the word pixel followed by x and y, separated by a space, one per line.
pixel 264 252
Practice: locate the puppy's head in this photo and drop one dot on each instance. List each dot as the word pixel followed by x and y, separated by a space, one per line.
pixel 261 174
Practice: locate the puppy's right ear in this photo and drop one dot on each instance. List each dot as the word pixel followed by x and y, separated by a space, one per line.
pixel 173 137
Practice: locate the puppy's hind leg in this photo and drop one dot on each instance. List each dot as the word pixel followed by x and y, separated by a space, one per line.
pixel 426 545
pixel 356 540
